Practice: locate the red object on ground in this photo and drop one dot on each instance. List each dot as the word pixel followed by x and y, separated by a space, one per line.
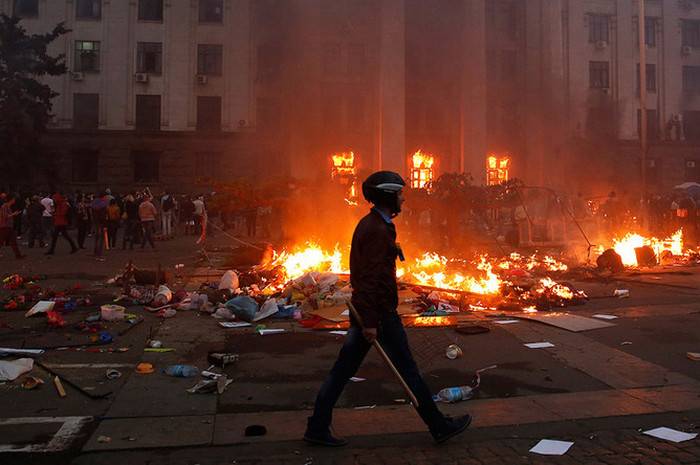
pixel 55 319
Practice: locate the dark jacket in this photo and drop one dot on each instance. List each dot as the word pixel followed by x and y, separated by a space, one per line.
pixel 373 268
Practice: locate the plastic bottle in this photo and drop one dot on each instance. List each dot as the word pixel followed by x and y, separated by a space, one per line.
pixel 182 371
pixel 455 394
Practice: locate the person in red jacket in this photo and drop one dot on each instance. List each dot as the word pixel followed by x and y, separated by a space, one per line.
pixel 60 223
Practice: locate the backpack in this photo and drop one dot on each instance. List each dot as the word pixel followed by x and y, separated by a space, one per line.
pixel 168 203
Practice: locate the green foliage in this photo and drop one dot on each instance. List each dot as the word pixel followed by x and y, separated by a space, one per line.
pixel 25 101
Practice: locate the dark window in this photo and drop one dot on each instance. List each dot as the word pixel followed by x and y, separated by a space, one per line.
pixel 208 165
pixel 649 32
pixel 26 8
pixel 209 113
pixel 332 65
pixel 652 124
pixel 598 28
pixel 211 11
pixel 599 74
pixel 691 79
pixel 149 57
pixel 269 61
pixel 146 165
pixel 150 10
pixel 690 29
pixel 691 125
pixel 85 164
pixel 88 9
pixel 209 59
pixel 692 170
pixel 148 112
pixel 651 78
pixel 87 56
pixel 357 61
pixel 86 111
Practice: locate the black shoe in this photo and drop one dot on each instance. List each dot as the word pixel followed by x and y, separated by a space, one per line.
pixel 325 438
pixel 452 427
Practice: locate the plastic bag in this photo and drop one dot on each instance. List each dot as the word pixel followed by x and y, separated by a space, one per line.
pixel 243 307
pixel 11 370
pixel 229 281
pixel 163 296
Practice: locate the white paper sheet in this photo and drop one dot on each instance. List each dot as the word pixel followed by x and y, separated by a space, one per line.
pixel 670 434
pixel 356 379
pixel 42 306
pixel 505 322
pixel 603 316
pixel 234 324
pixel 539 345
pixel 551 447
pixel 10 351
pixel 339 332
pixel 271 331
pixel 345 313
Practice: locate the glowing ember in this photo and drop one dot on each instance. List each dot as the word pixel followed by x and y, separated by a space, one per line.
pixel 421 169
pixel 625 246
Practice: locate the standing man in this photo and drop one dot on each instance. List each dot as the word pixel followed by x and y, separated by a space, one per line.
pixel 199 212
pixel 375 296
pixel 98 210
pixel 7 232
pixel 147 214
pixel 47 216
pixel 35 212
pixel 167 205
pixel 60 224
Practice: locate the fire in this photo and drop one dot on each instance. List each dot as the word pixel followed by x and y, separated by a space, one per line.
pixel 625 246
pixel 430 270
pixel 549 285
pixel 533 262
pixel 310 258
pixel 344 170
pixel 421 169
pixel 497 169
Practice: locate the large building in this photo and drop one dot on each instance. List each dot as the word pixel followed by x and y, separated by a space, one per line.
pixel 181 94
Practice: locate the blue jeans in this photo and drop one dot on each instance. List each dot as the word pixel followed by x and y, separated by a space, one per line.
pixel 392 337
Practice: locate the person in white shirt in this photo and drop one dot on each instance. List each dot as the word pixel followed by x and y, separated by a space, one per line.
pixel 47 216
pixel 167 205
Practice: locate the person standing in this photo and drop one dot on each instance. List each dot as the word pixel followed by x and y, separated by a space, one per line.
pixel 373 256
pixel 114 215
pixel 98 211
pixel 7 232
pixel 20 206
pixel 82 218
pixel 199 212
pixel 47 216
pixel 147 215
pixel 167 205
pixel 131 221
pixel 35 212
pixel 60 224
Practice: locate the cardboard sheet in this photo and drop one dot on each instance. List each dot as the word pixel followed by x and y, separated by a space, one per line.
pixel 566 321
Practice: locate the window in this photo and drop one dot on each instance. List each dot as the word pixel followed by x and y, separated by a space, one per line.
pixel 148 112
pixel 86 111
pixel 599 74
pixel 691 125
pixel 84 165
pixel 211 11
pixel 208 113
pixel 87 56
pixel 26 8
pixel 598 28
pixel 208 165
pixel 649 31
pixel 691 79
pixel 652 124
pixel 88 9
pixel 149 57
pixel 150 10
pixel 209 58
pixel 651 78
pixel 146 165
pixel 690 29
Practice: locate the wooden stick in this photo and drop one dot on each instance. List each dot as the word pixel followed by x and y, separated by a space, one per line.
pixel 386 358
pixel 59 386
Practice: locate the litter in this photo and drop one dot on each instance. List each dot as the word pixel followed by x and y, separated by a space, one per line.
pixel 210 385
pixel 605 317
pixel 144 368
pixel 626 343
pixel 59 386
pixel 42 306
pixel 505 322
pixel 271 331
pixel 269 308
pixel 539 345
pixel 356 379
pixel 155 344
pixel 453 351
pixel 365 407
pixel 551 447
pixel 163 296
pixel 621 293
pixel 244 307
pixel 229 281
pixel 181 371
pixel 695 356
pixel 167 313
pixel 222 359
pixel 670 434
pixel 223 313
pixel 158 350
pixel 338 332
pixel 112 312
pixel 11 370
pixel 32 382
pixel 10 351
pixel 104 439
pixel 234 324
pixel 113 374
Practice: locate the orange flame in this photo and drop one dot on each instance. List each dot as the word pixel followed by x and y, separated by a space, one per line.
pixel 421 169
pixel 625 246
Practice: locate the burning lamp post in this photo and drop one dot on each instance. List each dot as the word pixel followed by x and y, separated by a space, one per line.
pixel 344 171
pixel 497 169
pixel 421 170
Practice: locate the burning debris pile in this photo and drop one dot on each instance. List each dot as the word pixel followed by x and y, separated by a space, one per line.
pixel 636 250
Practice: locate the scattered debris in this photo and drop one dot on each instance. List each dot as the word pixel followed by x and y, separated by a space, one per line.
pixel 538 345
pixel 551 447
pixel 59 386
pixel 453 351
pixel 104 439
pixel 356 379
pixel 144 368
pixel 263 332
pixel 603 316
pixel 32 382
pixel 621 293
pixel 234 324
pixel 42 306
pixel 695 356
pixel 11 370
pixel 113 374
pixel 670 434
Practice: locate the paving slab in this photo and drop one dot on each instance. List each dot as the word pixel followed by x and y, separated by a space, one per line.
pixel 152 432
pixel 670 398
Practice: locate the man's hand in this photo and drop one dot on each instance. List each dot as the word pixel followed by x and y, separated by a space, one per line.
pixel 370 334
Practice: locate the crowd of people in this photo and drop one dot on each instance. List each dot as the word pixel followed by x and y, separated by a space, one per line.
pixel 137 218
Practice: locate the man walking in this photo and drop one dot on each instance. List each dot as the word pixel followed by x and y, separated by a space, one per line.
pixel 47 216
pixel 375 296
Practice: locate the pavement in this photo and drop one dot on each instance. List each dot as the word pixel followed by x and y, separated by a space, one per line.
pixel 599 388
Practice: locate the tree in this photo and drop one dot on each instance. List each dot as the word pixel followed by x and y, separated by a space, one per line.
pixel 25 102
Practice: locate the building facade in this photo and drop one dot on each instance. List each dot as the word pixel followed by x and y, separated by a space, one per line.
pixel 182 94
